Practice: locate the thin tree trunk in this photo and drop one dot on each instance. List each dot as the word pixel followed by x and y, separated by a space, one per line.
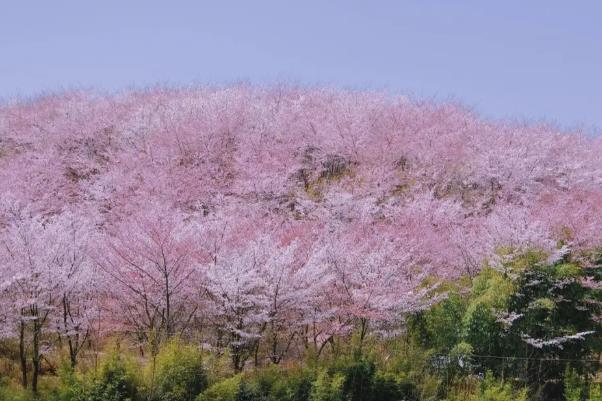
pixel 236 359
pixel 73 351
pixel 256 352
pixel 22 355
pixel 36 356
pixel 363 332
pixel 72 341
pixel 168 325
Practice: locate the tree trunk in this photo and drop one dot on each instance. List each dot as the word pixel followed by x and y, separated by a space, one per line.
pixel 274 356
pixel 236 359
pixel 35 359
pixel 73 341
pixel 72 353
pixel 168 323
pixel 363 332
pixel 256 352
pixel 22 355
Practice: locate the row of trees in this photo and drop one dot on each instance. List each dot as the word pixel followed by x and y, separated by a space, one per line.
pixel 64 283
pixel 262 295
pixel 527 328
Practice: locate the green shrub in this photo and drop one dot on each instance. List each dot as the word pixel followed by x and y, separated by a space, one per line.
pixel 292 385
pixel 573 388
pixel 225 390
pixel 327 388
pixel 388 387
pixel 217 366
pixel 179 374
pixel 493 390
pixel 595 392
pixel 269 384
pixel 428 388
pixel 481 329
pixel 116 381
pixel 441 323
pixel 359 380
pixel 70 388
pixel 263 381
pixel 247 392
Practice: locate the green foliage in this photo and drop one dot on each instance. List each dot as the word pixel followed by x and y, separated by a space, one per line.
pixel 247 393
pixel 552 304
pixel 494 390
pixel 268 384
pixel 480 329
pixel 548 303
pixel 225 390
pixel 488 389
pixel 595 392
pixel 493 288
pixel 573 387
pixel 327 387
pixel 442 325
pixel 295 385
pixel 179 374
pixel 388 386
pixel 527 299
pixel 12 392
pixel 70 388
pixel 349 379
pixel 577 389
pixel 217 366
pixel 489 293
pixel 359 379
pixel 116 380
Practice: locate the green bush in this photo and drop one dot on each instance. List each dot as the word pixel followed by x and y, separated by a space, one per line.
pixel 116 381
pixel 573 388
pixel 70 388
pixel 247 392
pixel 441 323
pixel 327 387
pixel 493 390
pixel 269 384
pixel 359 380
pixel 225 390
pixel 388 387
pixel 595 392
pixel 294 385
pixel 179 374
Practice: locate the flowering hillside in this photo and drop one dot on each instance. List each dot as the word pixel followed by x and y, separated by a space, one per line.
pixel 277 216
pixel 294 158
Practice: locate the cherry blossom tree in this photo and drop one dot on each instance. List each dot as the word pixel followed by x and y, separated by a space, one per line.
pixel 377 279
pixel 31 289
pixel 150 259
pixel 79 293
pixel 238 309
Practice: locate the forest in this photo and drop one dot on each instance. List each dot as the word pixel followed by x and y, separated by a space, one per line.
pixel 294 244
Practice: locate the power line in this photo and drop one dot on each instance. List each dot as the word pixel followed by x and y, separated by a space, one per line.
pixel 526 358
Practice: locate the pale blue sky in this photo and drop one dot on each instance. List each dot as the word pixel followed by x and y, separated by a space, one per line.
pixel 518 59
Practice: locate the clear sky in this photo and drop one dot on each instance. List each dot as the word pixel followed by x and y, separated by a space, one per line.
pixel 514 59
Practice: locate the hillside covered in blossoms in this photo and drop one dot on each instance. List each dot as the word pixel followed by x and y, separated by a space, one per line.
pixel 270 221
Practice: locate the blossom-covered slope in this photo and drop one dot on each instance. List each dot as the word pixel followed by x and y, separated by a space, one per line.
pixel 351 199
pixel 303 155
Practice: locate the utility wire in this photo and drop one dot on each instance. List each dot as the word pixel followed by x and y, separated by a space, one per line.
pixel 527 358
